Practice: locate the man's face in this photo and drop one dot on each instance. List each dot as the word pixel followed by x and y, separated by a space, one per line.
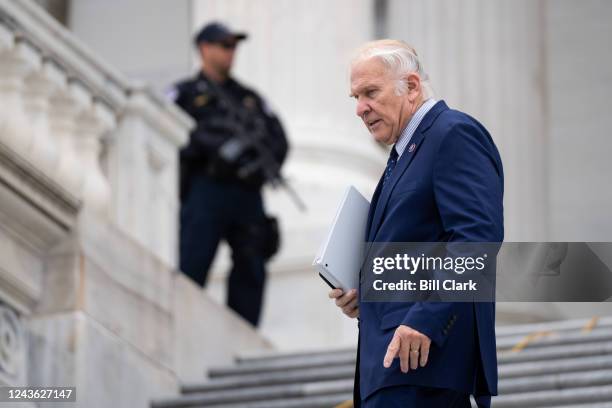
pixel 219 55
pixel 384 113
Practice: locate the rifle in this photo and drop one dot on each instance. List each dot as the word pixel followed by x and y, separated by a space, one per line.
pixel 243 139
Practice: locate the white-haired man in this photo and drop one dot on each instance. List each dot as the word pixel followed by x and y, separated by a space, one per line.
pixel 443 183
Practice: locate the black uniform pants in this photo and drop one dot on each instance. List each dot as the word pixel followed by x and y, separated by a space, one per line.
pixel 214 210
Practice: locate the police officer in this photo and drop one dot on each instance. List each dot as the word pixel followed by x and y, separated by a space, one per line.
pixel 222 172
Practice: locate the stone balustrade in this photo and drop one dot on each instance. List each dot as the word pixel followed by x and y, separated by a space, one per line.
pixel 53 121
pixel 80 145
pixel 107 142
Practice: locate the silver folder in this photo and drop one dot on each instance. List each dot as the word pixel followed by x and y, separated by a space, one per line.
pixel 341 253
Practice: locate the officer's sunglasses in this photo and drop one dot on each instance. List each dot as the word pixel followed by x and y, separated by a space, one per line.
pixel 228 45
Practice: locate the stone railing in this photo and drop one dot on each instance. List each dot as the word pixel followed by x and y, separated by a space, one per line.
pixel 108 143
pixel 79 146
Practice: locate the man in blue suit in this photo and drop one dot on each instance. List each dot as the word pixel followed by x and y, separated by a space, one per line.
pixel 443 183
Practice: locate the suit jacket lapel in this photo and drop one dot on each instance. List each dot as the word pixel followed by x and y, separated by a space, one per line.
pixel 404 161
pixel 400 168
pixel 373 203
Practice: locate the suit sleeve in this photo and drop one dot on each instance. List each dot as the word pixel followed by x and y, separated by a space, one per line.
pixel 468 186
pixel 468 190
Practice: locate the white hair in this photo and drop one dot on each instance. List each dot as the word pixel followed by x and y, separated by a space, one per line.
pixel 399 58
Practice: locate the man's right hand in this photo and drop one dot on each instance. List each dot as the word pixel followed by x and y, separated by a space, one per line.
pixel 348 302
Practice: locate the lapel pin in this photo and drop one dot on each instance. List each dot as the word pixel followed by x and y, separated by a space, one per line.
pixel 411 148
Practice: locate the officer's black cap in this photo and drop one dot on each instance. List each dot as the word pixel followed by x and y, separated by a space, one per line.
pixel 216 32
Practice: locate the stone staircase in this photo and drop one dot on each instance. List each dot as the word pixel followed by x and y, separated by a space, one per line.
pixel 564 364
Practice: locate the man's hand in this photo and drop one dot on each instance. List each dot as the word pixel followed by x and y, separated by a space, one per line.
pixel 411 346
pixel 348 302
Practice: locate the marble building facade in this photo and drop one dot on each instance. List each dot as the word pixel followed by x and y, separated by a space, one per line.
pixel 89 291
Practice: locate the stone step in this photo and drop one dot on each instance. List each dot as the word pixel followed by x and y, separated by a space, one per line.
pixel 343 357
pixel 554 381
pixel 565 365
pixel 273 378
pixel 271 356
pixel 558 325
pixel 584 395
pixel 557 338
pixel 555 352
pixel 348 358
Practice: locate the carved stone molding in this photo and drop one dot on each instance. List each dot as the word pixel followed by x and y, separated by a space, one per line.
pixel 12 346
pixel 40 194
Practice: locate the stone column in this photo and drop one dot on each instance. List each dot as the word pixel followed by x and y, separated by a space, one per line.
pixel 485 57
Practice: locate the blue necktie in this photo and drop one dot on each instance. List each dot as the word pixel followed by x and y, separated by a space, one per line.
pixel 390 166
